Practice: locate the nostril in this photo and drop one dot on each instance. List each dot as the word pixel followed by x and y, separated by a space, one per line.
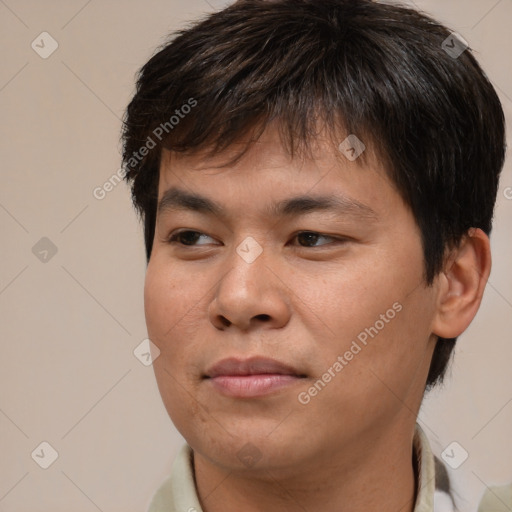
pixel 225 321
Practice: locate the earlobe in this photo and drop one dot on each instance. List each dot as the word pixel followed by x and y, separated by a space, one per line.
pixel 461 284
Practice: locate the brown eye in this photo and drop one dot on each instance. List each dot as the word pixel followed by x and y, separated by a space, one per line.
pixel 187 238
pixel 311 237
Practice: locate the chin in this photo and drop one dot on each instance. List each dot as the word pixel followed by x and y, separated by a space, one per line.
pixel 251 450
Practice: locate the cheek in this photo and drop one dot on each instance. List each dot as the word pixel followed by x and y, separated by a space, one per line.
pixel 170 316
pixel 165 300
pixel 174 312
pixel 394 352
pixel 379 316
pixel 158 294
pixel 344 302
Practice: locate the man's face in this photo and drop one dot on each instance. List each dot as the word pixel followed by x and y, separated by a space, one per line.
pixel 309 288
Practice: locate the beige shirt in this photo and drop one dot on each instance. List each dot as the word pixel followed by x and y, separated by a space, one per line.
pixel 178 492
pixel 496 499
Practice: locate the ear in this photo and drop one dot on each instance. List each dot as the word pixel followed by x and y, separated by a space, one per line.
pixel 461 284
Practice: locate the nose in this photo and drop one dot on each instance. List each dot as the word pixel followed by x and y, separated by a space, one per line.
pixel 251 294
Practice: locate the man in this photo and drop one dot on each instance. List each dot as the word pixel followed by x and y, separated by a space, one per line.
pixel 317 183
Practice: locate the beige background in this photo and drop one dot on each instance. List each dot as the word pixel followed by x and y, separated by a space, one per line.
pixel 69 325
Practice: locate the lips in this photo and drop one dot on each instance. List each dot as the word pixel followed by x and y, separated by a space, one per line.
pixel 251 378
pixel 252 366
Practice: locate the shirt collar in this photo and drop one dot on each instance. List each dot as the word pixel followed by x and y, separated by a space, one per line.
pixel 426 471
pixel 178 492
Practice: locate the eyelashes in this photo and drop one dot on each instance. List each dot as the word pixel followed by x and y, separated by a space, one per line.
pixel 184 239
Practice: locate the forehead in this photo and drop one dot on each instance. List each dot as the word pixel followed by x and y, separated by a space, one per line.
pixel 325 174
pixel 346 152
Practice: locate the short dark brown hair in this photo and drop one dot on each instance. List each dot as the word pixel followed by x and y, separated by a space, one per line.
pixel 383 72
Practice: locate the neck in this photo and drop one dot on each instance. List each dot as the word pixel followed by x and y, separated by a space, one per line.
pixel 377 474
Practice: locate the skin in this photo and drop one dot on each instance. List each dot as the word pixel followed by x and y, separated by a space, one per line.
pixel 302 301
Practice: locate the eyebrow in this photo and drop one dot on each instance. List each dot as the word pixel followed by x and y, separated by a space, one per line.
pixel 176 199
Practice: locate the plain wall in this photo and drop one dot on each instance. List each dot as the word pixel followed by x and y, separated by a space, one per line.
pixel 69 325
